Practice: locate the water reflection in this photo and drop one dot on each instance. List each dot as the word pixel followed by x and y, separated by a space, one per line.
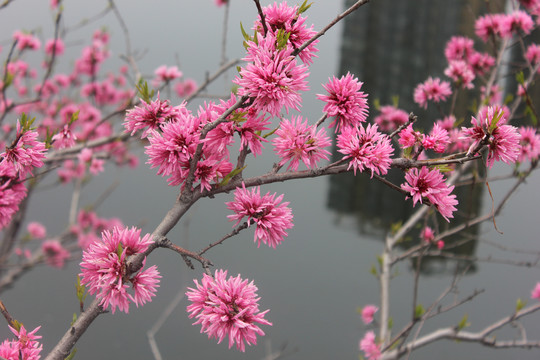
pixel 392 46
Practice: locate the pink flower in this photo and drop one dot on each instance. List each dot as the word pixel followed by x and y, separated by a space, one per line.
pixel 56 46
pixel 535 293
pixel 390 118
pixel 26 41
pixel 55 253
pixel 221 2
pixel 148 117
pixel 429 184
pixel 26 153
pixel 12 192
pixel 104 269
pixel 165 74
pixel 516 22
pixel 431 89
pixel 281 17
pixel 271 218
pixel 427 234
pixel 530 144
pixel 461 73
pixel 437 139
pixel 502 140
pixel 409 138
pixel 459 48
pixel 64 138
pixel 227 307
pixel 297 141
pixel 367 344
pixel 37 230
pixel 366 148
pixel 24 347
pixel 488 26
pixel 185 88
pixel 480 63
pixel 272 78
pixel 533 54
pixel 345 101
pixel 367 313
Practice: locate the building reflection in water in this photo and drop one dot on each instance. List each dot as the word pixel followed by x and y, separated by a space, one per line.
pixel 392 46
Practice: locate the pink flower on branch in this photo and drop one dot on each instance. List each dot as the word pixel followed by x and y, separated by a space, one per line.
pixel 105 273
pixel 431 90
pixel 297 141
pixel 367 313
pixel 272 78
pixel 25 347
pixel 271 218
pixel 366 148
pixel 371 350
pixel 55 254
pixel 227 307
pixel 429 184
pixel 150 116
pixel 345 101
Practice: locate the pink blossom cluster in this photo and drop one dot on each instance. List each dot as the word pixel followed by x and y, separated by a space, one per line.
pixel 271 218
pixel 55 254
pixel 89 225
pixel 297 141
pixel 24 347
pixel 282 17
pixel 368 312
pixel 432 90
pixel 493 26
pixel 390 118
pixel 105 272
pixel 425 183
pixel 489 127
pixel 371 349
pixel 227 307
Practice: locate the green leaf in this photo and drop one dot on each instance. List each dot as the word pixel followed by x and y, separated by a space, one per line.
pixel 74 319
pixel 395 100
pixel 443 168
pixel 520 304
pixel 230 175
pixel 303 8
pixel 529 111
pixel 390 323
pixel 520 77
pixel 144 93
pixel 373 270
pixel 81 290
pixel 71 354
pixel 74 117
pixel 463 323
pixel 419 311
pixel 377 104
pixel 244 33
pixel 496 118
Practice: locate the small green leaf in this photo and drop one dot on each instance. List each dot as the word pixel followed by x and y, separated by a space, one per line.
pixel 373 270
pixel 16 325
pixel 377 104
pixel 74 319
pixel 303 8
pixel 145 94
pixel 380 260
pixel 529 111
pixel 74 117
pixel 230 175
pixel 244 33
pixel 443 168
pixel 390 323
pixel 463 323
pixel 419 311
pixel 520 78
pixel 520 304
pixel 395 100
pixel 71 354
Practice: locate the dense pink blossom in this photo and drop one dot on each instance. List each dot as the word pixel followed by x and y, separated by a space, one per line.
pixel 271 218
pixel 437 139
pixel 149 116
pixel 367 313
pixel 24 347
pixel 227 307
pixel 296 141
pixel 429 184
pixel 517 22
pixel 36 230
pixel 26 41
pixel 489 25
pixel 12 192
pixel 366 148
pixel 480 63
pixel 272 77
pixel 371 350
pixel 25 153
pixel 408 137
pixel 390 118
pixel 64 138
pixel 104 269
pixel 535 293
pixel 431 90
pixel 55 254
pixel 54 45
pixel 490 127
pixel 281 17
pixel 533 54
pixel 530 144
pixel 345 102
pixel 461 73
pixel 459 48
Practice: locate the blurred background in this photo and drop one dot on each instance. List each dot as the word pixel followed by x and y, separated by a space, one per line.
pixel 316 280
